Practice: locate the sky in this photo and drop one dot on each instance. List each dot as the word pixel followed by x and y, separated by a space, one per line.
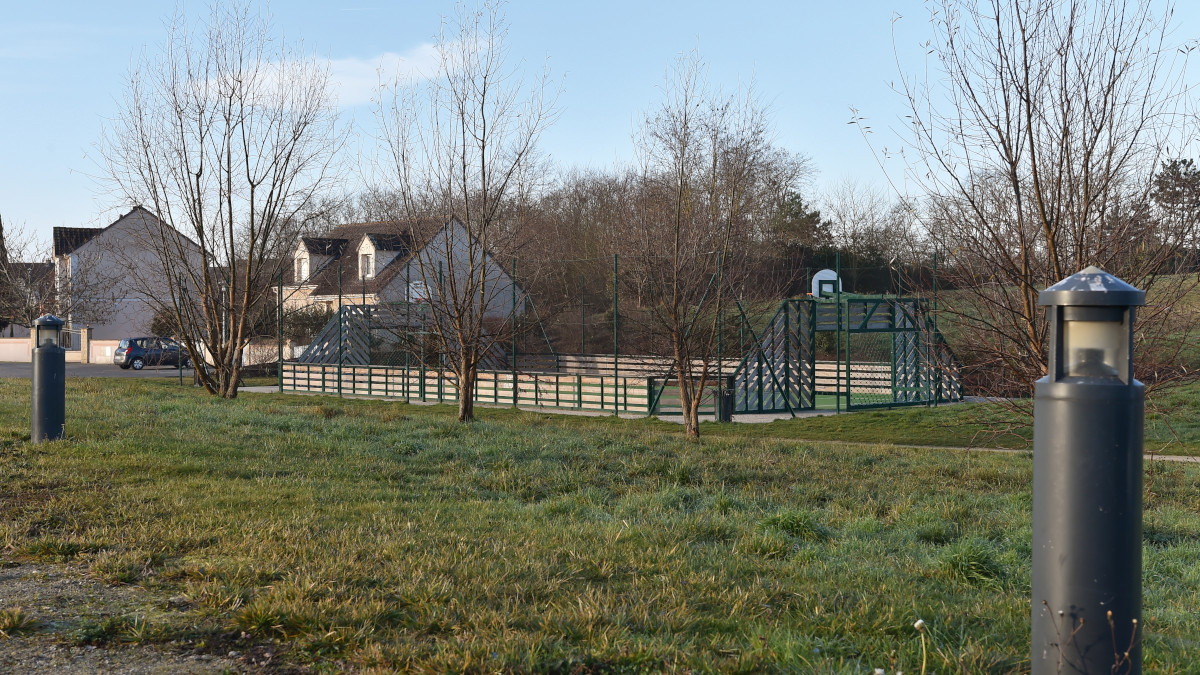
pixel 64 66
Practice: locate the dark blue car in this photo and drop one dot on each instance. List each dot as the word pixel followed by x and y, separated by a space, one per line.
pixel 137 353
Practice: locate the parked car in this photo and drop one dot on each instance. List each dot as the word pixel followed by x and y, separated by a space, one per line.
pixel 139 352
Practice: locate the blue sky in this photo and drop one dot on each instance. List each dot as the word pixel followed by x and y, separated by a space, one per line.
pixel 63 64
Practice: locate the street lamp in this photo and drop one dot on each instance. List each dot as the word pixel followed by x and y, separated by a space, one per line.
pixel 1087 482
pixel 49 396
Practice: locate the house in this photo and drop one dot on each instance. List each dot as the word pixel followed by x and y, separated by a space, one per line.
pixel 380 263
pixel 113 278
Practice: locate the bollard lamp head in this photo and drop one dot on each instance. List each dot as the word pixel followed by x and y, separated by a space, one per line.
pixel 48 330
pixel 1091 326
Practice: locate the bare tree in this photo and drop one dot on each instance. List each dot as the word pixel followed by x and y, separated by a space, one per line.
pixel 866 222
pixel 26 285
pixel 700 196
pixel 228 136
pixel 1034 143
pixel 461 158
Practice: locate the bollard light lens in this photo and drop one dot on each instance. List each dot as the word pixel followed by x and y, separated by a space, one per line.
pixel 47 336
pixel 1095 342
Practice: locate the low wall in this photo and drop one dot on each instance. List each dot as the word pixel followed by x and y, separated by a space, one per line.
pixel 102 350
pixel 15 349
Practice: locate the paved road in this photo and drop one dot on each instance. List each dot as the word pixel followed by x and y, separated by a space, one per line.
pixel 8 369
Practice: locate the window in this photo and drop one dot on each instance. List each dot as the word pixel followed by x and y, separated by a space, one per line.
pixel 301 269
pixel 366 266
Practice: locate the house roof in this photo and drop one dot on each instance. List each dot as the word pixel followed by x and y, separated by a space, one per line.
pixel 33 270
pixel 67 239
pixel 324 245
pixel 391 242
pixel 35 273
pixel 382 235
pixel 391 235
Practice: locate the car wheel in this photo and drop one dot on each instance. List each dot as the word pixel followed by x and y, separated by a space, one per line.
pixel 138 363
pixel 124 366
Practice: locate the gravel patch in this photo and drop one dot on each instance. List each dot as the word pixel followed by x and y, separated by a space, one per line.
pixel 61 601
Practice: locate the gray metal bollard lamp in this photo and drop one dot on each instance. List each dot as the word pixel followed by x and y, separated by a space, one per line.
pixel 49 380
pixel 1087 482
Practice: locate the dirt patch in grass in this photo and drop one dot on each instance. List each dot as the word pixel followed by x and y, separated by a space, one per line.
pixel 60 621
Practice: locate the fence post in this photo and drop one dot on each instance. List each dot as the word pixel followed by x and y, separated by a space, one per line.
pixel 408 298
pixel 279 337
pixel 341 319
pixel 85 344
pixel 787 361
pixel 582 314
pixel 512 324
pixel 616 338
pixel 838 339
pixel 720 336
pixel 934 317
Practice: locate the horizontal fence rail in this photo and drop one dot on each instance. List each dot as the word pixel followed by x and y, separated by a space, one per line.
pixel 546 390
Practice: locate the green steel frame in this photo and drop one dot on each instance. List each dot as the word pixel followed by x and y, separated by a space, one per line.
pixel 887 352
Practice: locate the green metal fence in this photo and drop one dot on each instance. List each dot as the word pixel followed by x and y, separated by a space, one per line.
pixel 596 393
pixel 879 351
pixel 846 353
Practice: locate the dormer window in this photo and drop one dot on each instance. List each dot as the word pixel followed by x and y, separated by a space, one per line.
pixel 301 270
pixel 366 266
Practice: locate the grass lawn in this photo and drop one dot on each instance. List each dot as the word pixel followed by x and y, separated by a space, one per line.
pixel 377 535
pixel 1172 426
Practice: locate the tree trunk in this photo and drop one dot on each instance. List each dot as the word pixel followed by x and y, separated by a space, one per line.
pixel 230 388
pixel 466 394
pixel 689 404
pixel 691 416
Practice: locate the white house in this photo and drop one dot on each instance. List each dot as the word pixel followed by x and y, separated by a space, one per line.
pixel 112 278
pixel 379 263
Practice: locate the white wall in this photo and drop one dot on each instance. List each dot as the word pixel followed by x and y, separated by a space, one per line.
pixel 453 239
pixel 102 350
pixel 120 278
pixel 15 349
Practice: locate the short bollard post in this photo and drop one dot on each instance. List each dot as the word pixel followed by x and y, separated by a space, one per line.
pixel 49 380
pixel 1087 482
